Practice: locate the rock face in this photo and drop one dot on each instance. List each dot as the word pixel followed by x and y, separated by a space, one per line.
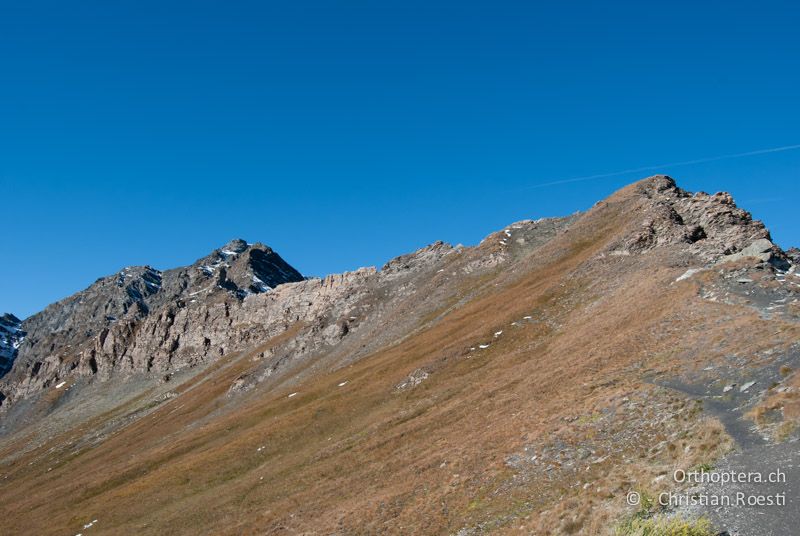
pixel 11 336
pixel 794 255
pixel 237 267
pixel 132 313
pixel 764 250
pixel 710 226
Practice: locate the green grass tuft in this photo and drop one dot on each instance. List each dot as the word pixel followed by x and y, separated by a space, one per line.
pixel 665 527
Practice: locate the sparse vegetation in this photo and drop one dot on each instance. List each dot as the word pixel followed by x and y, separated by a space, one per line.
pixel 570 389
pixel 779 413
pixel 663 526
pixel 703 467
pixel 785 431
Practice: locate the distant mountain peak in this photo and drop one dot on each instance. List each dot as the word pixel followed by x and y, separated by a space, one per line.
pixel 233 272
pixel 234 247
pixel 243 268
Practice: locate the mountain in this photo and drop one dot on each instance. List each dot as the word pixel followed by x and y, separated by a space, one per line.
pixel 531 382
pixel 99 329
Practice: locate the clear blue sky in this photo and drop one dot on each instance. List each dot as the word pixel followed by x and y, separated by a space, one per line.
pixel 345 133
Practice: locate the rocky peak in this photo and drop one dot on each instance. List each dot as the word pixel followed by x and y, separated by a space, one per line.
pixel 128 293
pixel 241 269
pixel 710 226
pixel 122 301
pixel 235 246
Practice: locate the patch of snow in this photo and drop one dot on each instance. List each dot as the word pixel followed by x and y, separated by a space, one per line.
pixel 60 385
pixel 746 386
pixel 208 288
pixel 688 273
pixel 260 285
pixel 498 333
pixel 483 346
pixel 291 395
pixel 343 383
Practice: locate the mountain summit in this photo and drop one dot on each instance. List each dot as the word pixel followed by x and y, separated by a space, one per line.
pixel 529 383
pixel 63 337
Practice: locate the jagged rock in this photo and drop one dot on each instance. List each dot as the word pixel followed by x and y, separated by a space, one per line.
pixel 128 320
pixel 706 226
pixel 413 379
pixel 11 336
pixel 420 258
pixel 794 255
pixel 764 250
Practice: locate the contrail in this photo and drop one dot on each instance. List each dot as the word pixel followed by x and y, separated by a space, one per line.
pixel 661 166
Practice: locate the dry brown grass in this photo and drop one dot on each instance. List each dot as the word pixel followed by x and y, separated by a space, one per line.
pixel 779 412
pixel 366 459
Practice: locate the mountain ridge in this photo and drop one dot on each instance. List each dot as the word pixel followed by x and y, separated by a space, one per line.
pixel 497 384
pixel 710 225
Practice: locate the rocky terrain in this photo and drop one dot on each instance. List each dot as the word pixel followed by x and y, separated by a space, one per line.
pixel 526 384
pixel 101 328
pixel 11 336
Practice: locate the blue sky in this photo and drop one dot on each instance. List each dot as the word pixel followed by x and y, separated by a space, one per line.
pixel 345 133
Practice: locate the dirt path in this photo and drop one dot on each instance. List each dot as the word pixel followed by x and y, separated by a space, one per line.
pixel 754 454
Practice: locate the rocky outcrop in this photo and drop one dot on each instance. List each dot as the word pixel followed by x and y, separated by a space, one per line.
pixel 419 258
pixel 11 336
pixel 794 255
pixel 237 267
pixel 140 317
pixel 709 226
pixel 764 250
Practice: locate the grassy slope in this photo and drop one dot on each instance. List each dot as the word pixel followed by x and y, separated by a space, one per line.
pixel 365 458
